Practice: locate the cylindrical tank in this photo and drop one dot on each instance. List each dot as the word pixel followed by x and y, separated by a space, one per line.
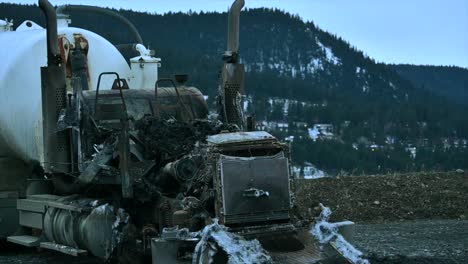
pixel 91 230
pixel 23 53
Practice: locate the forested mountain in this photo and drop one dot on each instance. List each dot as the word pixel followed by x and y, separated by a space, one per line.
pixel 448 81
pixel 297 72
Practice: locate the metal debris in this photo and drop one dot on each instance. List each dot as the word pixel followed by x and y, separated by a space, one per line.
pixel 215 237
pixel 102 158
pixel 327 233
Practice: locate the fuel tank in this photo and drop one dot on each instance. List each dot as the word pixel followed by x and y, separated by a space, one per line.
pixel 23 53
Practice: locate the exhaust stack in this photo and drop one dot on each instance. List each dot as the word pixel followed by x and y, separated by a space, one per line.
pixel 53 55
pixel 233 26
pixel 230 96
pixel 56 144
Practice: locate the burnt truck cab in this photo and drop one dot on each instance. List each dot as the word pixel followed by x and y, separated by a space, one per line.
pixel 254 188
pixel 253 196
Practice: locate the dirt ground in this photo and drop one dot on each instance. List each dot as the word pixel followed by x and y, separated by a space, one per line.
pixel 387 198
pixel 410 218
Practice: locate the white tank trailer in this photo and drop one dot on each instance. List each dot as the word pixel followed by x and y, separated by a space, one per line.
pixel 24 52
pixel 87 165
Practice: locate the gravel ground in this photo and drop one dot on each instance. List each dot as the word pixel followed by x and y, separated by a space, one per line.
pixel 396 218
pixel 425 242
pixel 12 254
pixel 409 242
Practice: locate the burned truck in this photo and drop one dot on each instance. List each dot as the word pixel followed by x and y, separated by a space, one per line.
pixel 116 165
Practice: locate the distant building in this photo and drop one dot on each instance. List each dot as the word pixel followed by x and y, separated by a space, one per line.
pixel 311 172
pixel 282 126
pixel 321 131
pixel 272 126
pixel 308 171
pixel 374 147
pixel 390 140
pixel 412 151
pixel 266 125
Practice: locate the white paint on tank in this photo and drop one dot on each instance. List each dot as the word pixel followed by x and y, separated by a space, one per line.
pixel 28 25
pixel 63 20
pixel 144 69
pixel 23 52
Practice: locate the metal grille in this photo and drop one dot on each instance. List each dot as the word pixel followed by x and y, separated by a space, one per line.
pixel 231 92
pixel 60 103
pixel 269 174
pixel 56 154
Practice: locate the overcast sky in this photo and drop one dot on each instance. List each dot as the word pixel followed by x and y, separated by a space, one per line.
pixel 392 31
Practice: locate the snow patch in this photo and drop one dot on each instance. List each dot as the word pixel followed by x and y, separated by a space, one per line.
pixel 360 70
pixel 314 65
pixel 293 72
pixel 329 54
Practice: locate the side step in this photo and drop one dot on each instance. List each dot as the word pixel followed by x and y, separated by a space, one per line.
pixel 33 241
pixel 64 249
pixel 27 241
pixel 31 215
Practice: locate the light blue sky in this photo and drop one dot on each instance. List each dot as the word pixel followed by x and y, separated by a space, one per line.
pixel 392 31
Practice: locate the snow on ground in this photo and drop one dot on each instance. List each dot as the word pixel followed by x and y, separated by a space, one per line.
pixel 314 65
pixel 329 54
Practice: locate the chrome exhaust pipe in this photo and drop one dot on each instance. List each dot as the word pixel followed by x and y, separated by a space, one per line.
pixel 233 26
pixel 53 55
